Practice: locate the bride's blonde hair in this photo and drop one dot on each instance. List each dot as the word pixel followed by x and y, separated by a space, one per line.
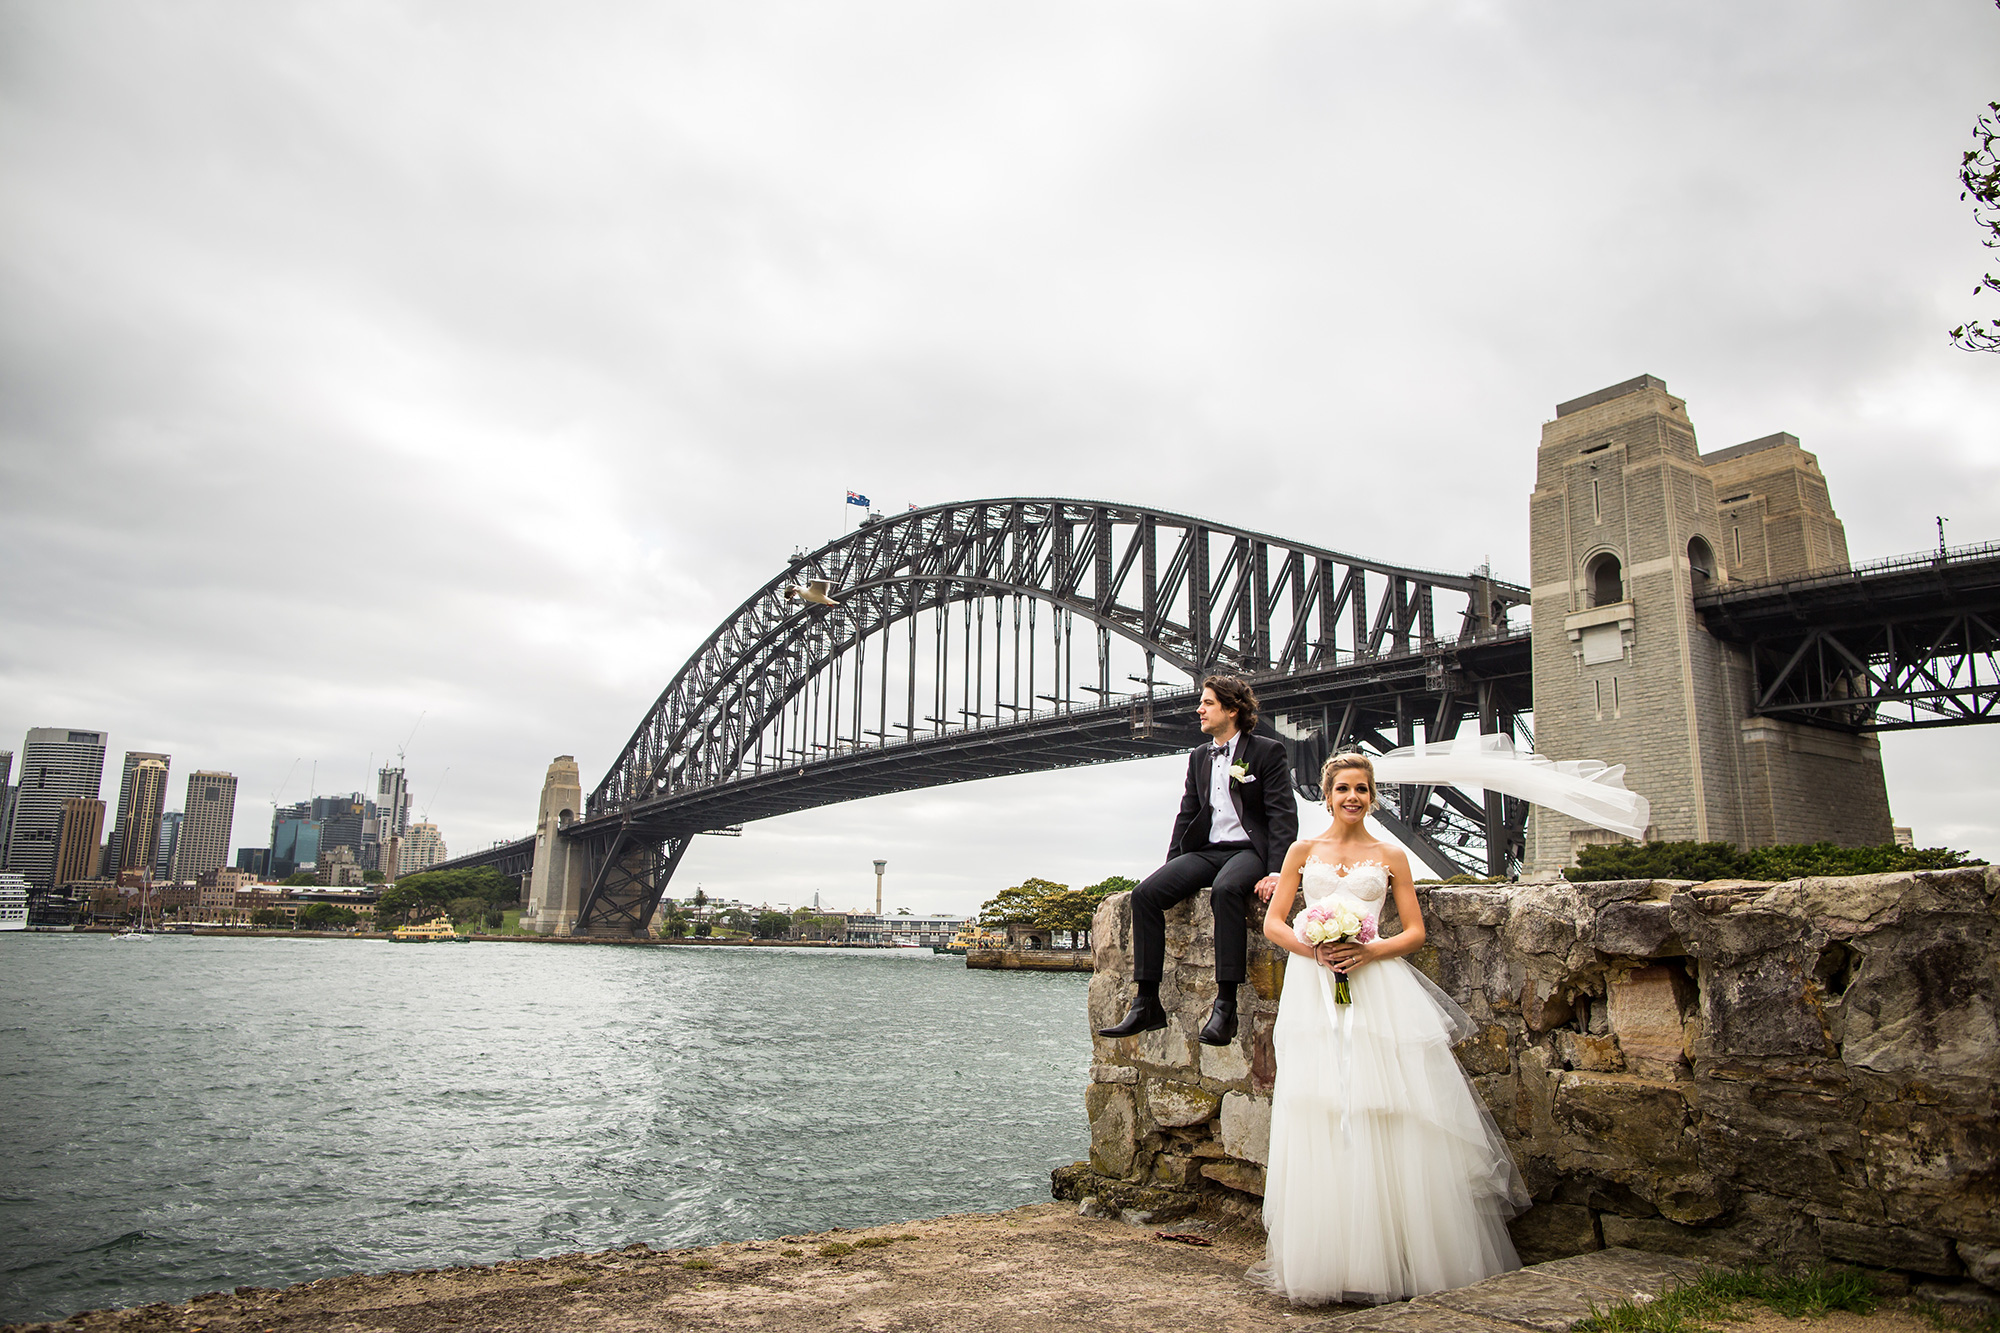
pixel 1343 761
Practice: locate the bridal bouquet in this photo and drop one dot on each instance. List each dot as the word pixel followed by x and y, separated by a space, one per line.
pixel 1337 923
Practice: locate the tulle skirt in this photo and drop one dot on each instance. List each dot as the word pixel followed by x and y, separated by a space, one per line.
pixel 1387 1177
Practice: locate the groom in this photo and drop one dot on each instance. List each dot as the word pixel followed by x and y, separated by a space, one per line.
pixel 1236 823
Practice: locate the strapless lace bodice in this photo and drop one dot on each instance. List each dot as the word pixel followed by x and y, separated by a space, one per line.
pixel 1365 882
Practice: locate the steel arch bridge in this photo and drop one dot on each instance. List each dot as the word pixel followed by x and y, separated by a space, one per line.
pixel 1006 636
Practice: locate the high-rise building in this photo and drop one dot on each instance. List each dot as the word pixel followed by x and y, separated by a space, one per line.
pixel 142 800
pixel 343 821
pixel 170 843
pixel 6 801
pixel 392 801
pixel 295 837
pixel 56 764
pixel 211 817
pixel 254 861
pixel 117 858
pixel 422 849
pixel 77 840
pixel 382 849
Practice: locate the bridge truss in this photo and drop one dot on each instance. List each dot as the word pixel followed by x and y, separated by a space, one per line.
pixel 1895 645
pixel 1022 635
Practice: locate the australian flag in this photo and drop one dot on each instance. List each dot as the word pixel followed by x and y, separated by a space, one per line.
pixel 857 498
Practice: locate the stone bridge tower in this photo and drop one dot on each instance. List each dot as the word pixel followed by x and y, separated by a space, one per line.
pixel 1628 521
pixel 555 887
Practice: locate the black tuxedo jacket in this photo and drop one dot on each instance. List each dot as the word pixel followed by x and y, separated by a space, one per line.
pixel 1265 806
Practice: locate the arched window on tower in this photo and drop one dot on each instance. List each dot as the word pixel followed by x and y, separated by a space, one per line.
pixel 1605 578
pixel 1701 564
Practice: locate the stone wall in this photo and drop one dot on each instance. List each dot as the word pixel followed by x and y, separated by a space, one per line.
pixel 1741 1071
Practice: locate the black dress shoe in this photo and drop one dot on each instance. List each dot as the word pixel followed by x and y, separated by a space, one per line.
pixel 1144 1016
pixel 1220 1029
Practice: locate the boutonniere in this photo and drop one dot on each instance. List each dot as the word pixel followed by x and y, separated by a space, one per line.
pixel 1241 773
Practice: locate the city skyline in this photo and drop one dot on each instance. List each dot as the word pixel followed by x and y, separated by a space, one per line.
pixel 573 371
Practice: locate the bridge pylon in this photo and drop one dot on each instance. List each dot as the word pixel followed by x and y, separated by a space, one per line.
pixel 558 881
pixel 1629 524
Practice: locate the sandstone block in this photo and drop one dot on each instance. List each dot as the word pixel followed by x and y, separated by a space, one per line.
pixel 1926 1000
pixel 1113 1074
pixel 1171 1105
pixel 1580 1050
pixel 1982 1263
pixel 1888 1247
pixel 1637 930
pixel 1246 1127
pixel 1227 1064
pixel 1553 1231
pixel 1646 1007
pixel 1114 1128
pixel 1485 1051
pixel 1457 906
pixel 1236 1175
pixel 1645 1120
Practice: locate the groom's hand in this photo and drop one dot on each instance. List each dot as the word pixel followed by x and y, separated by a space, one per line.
pixel 1266 887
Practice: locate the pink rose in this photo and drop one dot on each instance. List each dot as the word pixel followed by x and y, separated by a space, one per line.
pixel 1367 932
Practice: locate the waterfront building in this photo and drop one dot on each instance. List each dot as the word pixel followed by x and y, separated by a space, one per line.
pixel 170 842
pixel 13 902
pixel 77 839
pixel 338 868
pixel 422 849
pixel 904 928
pixel 141 801
pixel 210 818
pixel 56 764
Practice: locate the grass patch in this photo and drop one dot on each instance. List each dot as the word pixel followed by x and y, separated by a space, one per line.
pixel 833 1249
pixel 1715 1294
pixel 576 1282
pixel 1950 1319
pixel 874 1242
pixel 790 1254
pixel 696 1264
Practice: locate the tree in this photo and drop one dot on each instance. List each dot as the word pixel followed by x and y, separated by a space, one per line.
pixel 267 916
pixel 1021 905
pixel 1073 910
pixel 771 926
pixel 372 877
pixel 1979 173
pixel 674 925
pixel 426 895
pixel 300 879
pixel 326 916
pixel 738 919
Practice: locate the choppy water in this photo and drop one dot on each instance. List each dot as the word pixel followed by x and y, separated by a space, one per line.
pixel 188 1114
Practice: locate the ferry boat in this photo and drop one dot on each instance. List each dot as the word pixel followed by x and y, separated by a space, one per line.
pixel 13 902
pixel 439 930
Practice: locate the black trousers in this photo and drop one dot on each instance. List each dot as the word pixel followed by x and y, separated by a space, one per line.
pixel 1232 871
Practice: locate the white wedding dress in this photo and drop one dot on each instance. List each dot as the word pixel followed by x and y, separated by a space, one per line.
pixel 1387 1176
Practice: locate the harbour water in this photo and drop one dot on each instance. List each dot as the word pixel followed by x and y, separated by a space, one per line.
pixel 188 1114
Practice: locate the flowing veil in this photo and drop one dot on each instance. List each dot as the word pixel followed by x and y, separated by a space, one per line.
pixel 1584 788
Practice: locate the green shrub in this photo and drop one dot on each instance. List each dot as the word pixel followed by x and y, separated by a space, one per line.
pixel 1597 862
pixel 833 1249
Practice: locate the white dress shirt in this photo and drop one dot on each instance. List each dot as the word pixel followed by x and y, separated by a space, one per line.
pixel 1223 823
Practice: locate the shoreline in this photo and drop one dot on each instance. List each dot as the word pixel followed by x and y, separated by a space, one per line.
pixel 261 932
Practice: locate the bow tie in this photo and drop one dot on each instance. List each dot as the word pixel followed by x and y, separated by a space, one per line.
pixel 1218 749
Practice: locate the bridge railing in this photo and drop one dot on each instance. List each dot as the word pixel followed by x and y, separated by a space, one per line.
pixel 1935 559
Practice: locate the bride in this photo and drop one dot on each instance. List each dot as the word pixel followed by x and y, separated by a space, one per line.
pixel 1387 1178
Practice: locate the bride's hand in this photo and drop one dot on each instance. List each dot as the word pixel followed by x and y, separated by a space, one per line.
pixel 1324 954
pixel 1348 957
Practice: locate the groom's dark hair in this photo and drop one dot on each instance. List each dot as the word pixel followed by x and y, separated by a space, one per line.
pixel 1235 694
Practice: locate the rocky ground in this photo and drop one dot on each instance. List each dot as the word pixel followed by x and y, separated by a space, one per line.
pixel 1033 1268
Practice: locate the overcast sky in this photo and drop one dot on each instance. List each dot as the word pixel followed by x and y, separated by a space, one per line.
pixel 367 360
